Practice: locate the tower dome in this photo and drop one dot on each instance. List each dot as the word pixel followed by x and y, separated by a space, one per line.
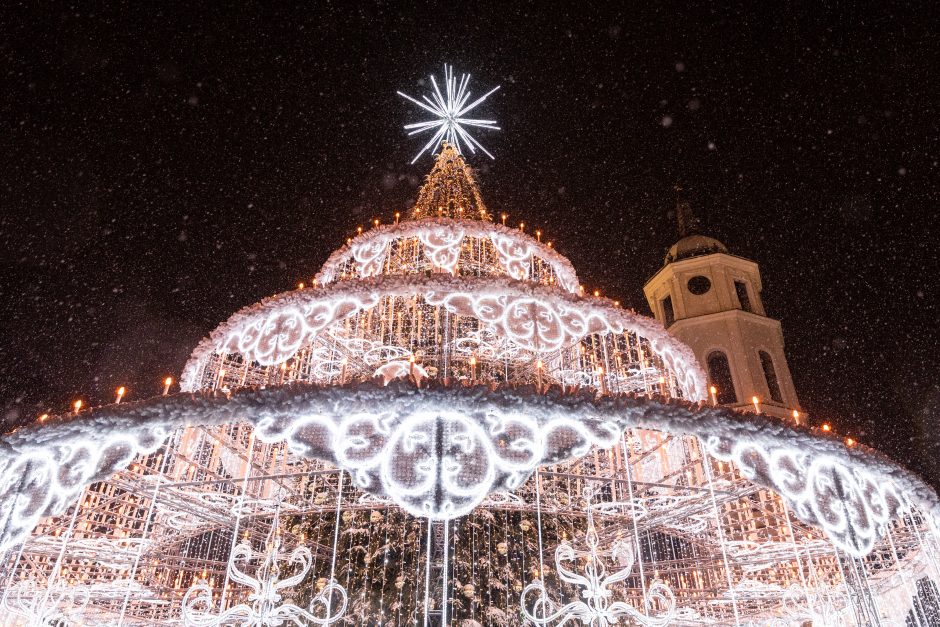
pixel 694 246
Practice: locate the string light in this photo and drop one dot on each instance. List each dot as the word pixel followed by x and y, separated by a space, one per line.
pixel 826 427
pixel 167 383
pixel 756 402
pixel 120 394
pixel 77 405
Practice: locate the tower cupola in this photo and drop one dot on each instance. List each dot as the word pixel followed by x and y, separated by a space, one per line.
pixel 711 300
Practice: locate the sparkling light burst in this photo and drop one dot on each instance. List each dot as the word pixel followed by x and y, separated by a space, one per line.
pixel 449 110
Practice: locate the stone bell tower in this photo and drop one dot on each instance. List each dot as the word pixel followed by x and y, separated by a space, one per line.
pixel 711 300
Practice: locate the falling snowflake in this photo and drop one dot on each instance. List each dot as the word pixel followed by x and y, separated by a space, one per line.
pixel 449 110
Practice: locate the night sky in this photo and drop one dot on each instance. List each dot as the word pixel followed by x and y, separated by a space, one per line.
pixel 162 168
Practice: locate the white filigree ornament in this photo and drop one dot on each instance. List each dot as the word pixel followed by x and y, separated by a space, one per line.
pixel 44 606
pixel 596 609
pixel 265 606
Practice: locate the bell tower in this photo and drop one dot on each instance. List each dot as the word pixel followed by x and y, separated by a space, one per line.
pixel 710 299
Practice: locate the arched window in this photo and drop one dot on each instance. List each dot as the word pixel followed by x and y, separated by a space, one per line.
pixel 770 375
pixel 719 372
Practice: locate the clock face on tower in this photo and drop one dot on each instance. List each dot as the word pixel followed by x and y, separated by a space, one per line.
pixel 699 285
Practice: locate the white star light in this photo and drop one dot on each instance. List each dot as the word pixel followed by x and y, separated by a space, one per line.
pixel 449 110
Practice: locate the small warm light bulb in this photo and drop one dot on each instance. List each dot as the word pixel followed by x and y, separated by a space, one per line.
pixel 538 235
pixel 77 405
pixel 849 442
pixel 359 230
pixel 796 416
pixel 826 427
pixel 714 394
pixel 375 222
pixel 756 402
pixel 597 292
pixel 43 418
pixel 397 216
pixel 522 226
pixel 473 360
pixel 169 381
pixel 120 394
pixel 504 216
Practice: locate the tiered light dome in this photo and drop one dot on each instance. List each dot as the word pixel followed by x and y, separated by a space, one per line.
pixel 444 431
pixel 448 296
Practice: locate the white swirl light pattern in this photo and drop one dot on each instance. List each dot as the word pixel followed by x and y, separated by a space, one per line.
pixel 442 240
pixel 47 472
pixel 265 607
pixel 596 608
pixel 535 319
pixel 44 467
pixel 852 503
pixel 62 604
pixel 440 464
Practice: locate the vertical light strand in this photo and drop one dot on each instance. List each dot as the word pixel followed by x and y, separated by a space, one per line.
pixel 444 572
pixel 906 578
pixel 53 574
pixel 636 531
pixel 706 465
pixel 538 522
pixel 146 530
pixel 796 550
pixel 427 575
pixel 238 516
pixel 849 596
pixel 339 503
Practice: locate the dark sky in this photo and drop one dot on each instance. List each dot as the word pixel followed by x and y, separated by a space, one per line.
pixel 162 168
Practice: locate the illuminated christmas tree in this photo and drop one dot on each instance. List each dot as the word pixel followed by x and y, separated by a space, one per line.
pixel 442 428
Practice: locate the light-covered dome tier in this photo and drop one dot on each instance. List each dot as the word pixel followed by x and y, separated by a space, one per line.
pixel 456 247
pixel 692 514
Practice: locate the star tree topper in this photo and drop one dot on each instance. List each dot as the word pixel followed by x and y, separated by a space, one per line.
pixel 449 110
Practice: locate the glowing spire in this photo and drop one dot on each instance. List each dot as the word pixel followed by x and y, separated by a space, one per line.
pixel 450 190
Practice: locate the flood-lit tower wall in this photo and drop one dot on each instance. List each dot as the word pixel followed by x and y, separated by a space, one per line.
pixel 711 300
